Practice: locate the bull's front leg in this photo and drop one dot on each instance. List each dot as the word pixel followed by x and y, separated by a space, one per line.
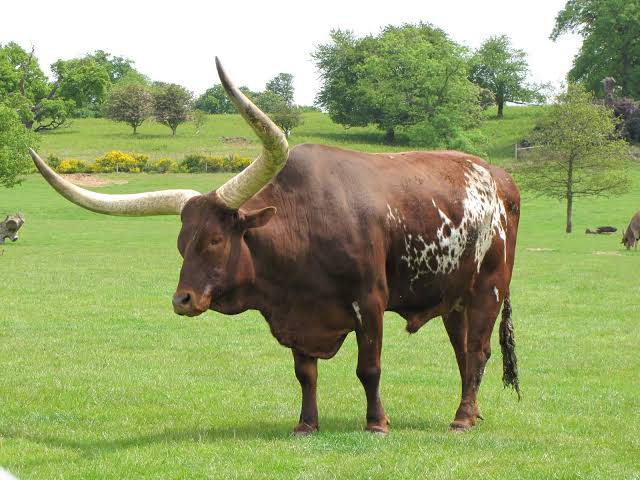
pixel 369 336
pixel 307 374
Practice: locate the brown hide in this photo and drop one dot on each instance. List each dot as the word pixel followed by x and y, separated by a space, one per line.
pixel 333 243
pixel 632 234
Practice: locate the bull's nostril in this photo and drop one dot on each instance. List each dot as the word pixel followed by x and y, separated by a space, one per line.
pixel 181 300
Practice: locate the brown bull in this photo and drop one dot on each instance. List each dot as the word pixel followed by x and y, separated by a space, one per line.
pixel 632 233
pixel 322 241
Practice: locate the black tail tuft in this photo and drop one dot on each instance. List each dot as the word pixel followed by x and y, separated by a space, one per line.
pixel 508 345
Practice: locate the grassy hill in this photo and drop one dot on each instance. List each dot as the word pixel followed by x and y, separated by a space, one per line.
pixel 87 139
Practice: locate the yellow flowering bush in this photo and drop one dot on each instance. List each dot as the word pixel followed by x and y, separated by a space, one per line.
pixel 70 165
pixel 117 161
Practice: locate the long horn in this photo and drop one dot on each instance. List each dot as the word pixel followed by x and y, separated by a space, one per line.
pixel 164 202
pixel 275 149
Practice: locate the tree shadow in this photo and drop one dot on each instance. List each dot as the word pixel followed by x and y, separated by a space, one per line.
pixel 370 138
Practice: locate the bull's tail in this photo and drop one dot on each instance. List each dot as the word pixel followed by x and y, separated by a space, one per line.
pixel 508 346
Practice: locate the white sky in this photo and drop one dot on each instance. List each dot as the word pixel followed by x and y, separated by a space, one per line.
pixel 177 41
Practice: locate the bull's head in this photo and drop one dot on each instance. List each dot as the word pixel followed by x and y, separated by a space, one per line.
pixel 216 263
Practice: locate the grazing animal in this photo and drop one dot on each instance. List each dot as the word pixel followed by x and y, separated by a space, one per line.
pixel 632 233
pixel 322 241
pixel 9 227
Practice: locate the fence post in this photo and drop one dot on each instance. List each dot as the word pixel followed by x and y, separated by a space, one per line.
pixel 516 148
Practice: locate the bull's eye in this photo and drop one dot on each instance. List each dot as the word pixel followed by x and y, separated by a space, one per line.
pixel 216 241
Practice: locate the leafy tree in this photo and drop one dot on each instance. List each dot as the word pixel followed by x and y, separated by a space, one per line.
pixel 172 104
pixel 84 81
pixel 215 100
pixel 15 141
pixel 502 69
pixel 611 46
pixel 130 102
pixel 24 87
pixel 580 152
pixel 199 118
pixel 282 84
pixel 283 114
pixel 405 76
pixel 116 67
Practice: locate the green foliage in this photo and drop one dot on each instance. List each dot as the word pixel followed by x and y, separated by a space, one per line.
pixel 82 80
pixel 164 165
pixel 129 102
pixel 402 77
pixel 611 29
pixel 25 88
pixel 580 152
pixel 215 100
pixel 282 85
pixel 15 141
pixel 172 104
pixel 199 119
pixel 116 67
pixel 200 163
pixel 283 114
pixel 502 69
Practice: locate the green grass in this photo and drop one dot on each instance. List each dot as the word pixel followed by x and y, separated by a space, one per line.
pixel 87 139
pixel 101 380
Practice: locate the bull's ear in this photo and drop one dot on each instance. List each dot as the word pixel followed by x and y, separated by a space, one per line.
pixel 258 218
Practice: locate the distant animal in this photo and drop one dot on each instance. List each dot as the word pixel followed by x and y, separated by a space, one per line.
pixel 601 230
pixel 632 233
pixel 9 227
pixel 322 241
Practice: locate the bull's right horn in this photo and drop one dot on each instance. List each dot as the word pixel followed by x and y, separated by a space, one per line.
pixel 275 149
pixel 163 202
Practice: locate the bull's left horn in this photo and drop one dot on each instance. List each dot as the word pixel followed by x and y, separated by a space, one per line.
pixel 275 149
pixel 163 202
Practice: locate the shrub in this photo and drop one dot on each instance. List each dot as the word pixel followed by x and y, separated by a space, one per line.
pixel 200 163
pixel 54 161
pixel 117 161
pixel 70 165
pixel 163 165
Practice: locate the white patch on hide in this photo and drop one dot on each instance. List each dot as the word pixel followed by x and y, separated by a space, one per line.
pixel 497 294
pixel 356 308
pixel 483 213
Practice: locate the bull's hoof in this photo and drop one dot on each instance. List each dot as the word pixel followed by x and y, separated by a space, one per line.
pixel 304 429
pixel 460 426
pixel 380 428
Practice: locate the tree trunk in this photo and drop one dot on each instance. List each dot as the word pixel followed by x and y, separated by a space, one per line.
pixel 135 127
pixel 173 131
pixel 500 107
pixel 570 197
pixel 390 135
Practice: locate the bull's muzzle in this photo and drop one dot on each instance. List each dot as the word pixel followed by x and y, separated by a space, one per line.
pixel 186 303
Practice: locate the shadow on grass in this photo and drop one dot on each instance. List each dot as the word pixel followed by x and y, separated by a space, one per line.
pixel 264 430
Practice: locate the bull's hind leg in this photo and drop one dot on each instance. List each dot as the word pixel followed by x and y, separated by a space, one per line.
pixel 307 374
pixel 470 335
pixel 369 336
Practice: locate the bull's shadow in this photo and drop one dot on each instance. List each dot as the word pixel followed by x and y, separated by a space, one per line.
pixel 263 430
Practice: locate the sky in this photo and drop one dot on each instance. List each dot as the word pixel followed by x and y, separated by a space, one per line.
pixel 255 40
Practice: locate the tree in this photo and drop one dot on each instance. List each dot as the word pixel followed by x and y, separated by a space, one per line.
pixel 171 104
pixel 502 69
pixel 15 141
pixel 199 118
pixel 611 46
pixel 580 152
pixel 84 81
pixel 25 88
pixel 282 84
pixel 283 114
pixel 116 67
pixel 403 77
pixel 130 102
pixel 215 100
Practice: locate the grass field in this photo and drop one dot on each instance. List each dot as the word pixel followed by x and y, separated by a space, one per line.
pixel 101 380
pixel 87 139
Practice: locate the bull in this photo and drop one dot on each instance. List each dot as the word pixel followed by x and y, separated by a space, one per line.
pixel 632 233
pixel 322 241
